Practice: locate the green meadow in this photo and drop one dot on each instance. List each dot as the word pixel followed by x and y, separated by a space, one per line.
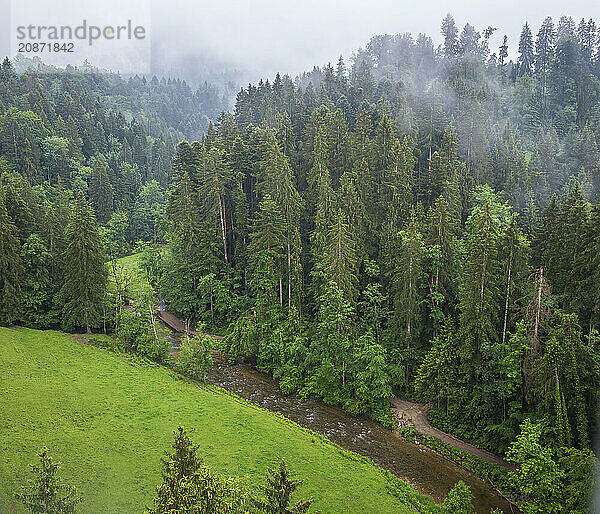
pixel 107 420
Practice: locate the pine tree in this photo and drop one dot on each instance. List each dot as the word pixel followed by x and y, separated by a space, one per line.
pixel 101 191
pixel 278 493
pixel 11 266
pixel 85 276
pixel 340 256
pixel 526 55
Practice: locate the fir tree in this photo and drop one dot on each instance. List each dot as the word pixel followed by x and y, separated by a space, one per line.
pixel 101 191
pixel 526 56
pixel 47 493
pixel 278 493
pixel 85 275
pixel 11 265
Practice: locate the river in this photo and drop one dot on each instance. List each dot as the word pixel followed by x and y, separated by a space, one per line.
pixel 425 470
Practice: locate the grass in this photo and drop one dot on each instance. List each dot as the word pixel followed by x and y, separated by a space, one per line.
pixel 108 421
pixel 138 280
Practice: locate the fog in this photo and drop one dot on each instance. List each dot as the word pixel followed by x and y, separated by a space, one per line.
pixel 266 36
pixel 241 40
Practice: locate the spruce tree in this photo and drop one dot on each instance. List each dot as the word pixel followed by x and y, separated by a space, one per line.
pixel 85 274
pixel 11 266
pixel 101 191
pixel 340 256
pixel 526 56
pixel 278 493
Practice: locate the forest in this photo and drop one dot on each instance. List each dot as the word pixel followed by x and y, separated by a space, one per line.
pixel 419 220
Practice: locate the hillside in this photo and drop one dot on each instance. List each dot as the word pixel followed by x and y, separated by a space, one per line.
pixel 108 421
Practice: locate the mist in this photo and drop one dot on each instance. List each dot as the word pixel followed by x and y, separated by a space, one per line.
pixel 235 42
pixel 261 38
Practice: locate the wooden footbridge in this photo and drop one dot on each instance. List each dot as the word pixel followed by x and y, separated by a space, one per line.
pixel 177 325
pixel 174 322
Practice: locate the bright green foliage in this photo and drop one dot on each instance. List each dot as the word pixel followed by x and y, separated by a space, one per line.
pixel 135 334
pixel 458 500
pixel 538 478
pixel 278 493
pixel 194 358
pixel 85 274
pixel 332 343
pixel 189 487
pixel 371 380
pixel 438 374
pixel 203 492
pixel 47 493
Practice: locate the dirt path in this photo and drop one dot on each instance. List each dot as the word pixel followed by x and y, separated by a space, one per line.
pixel 416 414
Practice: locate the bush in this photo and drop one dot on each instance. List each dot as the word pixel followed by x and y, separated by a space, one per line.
pixel 190 487
pixel 47 493
pixel 136 335
pixel 194 360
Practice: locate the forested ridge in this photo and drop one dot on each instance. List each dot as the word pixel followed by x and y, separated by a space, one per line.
pixel 424 221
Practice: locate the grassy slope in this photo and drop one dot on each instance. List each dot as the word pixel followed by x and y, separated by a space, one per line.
pixel 138 280
pixel 108 421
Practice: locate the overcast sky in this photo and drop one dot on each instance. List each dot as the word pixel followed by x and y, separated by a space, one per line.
pixel 265 36
pixel 293 36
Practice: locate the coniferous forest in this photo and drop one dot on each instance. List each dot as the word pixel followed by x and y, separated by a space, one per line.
pixel 418 220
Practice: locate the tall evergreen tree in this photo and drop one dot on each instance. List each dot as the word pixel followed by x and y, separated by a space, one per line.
pixel 101 191
pixel 85 277
pixel 526 54
pixel 11 265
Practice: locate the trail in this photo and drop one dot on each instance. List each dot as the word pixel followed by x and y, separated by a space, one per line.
pixel 414 413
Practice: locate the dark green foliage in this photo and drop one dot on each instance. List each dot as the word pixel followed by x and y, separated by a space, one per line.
pixel 278 493
pixel 11 265
pixel 85 274
pixel 47 493
pixel 101 191
pixel 358 232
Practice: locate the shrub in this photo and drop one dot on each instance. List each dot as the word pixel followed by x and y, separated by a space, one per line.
pixel 194 360
pixel 136 335
pixel 47 493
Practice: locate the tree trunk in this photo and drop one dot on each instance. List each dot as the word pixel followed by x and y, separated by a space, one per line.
pixel 223 226
pixel 506 303
pixel 281 292
pixel 538 309
pixel 289 256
